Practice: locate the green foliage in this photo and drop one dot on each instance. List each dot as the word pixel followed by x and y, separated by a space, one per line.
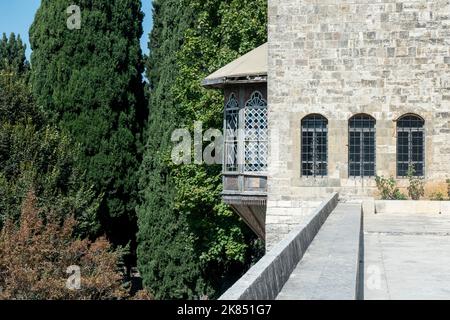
pixel 16 101
pixel 34 155
pixel 45 160
pixel 12 55
pixel 166 256
pixel 388 189
pixel 190 243
pixel 416 188
pixel 224 30
pixel 90 83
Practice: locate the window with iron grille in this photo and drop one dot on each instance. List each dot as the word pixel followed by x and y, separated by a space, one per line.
pixel 314 145
pixel 361 146
pixel 410 145
pixel 231 130
pixel 256 135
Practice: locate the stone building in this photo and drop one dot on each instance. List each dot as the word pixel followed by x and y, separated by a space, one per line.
pixel 342 92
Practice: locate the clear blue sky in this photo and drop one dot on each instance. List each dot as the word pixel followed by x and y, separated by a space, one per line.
pixel 17 15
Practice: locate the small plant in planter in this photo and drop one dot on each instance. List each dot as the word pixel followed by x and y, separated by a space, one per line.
pixel 416 188
pixel 388 189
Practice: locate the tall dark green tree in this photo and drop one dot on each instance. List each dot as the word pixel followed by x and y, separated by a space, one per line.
pixel 34 155
pixel 166 256
pixel 16 101
pixel 223 31
pixel 89 81
pixel 12 55
pixel 190 243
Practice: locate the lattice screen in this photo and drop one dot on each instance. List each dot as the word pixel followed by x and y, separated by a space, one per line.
pixel 256 133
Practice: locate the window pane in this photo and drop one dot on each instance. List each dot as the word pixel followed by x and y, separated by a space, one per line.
pixel 231 127
pixel 314 146
pixel 410 145
pixel 361 146
pixel 402 169
pixel 419 169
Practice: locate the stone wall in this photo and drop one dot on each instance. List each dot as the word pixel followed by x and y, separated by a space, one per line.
pixel 422 207
pixel 341 58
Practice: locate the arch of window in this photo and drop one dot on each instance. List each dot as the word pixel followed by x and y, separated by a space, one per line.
pixel 255 133
pixel 361 146
pixel 410 145
pixel 314 157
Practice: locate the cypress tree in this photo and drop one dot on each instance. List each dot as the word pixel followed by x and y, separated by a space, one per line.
pixel 16 101
pixel 35 155
pixel 166 256
pixel 12 55
pixel 223 31
pixel 89 81
pixel 190 243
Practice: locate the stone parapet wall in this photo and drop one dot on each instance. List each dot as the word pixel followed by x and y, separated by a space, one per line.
pixel 267 277
pixel 412 207
pixel 284 216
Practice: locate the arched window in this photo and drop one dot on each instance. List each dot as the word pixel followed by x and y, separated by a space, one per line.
pixel 410 145
pixel 231 133
pixel 256 135
pixel 314 145
pixel 361 146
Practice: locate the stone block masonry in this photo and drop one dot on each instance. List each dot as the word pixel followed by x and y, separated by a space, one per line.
pixel 341 58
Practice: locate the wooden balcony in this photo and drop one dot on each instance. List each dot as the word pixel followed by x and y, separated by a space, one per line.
pixel 244 83
pixel 247 195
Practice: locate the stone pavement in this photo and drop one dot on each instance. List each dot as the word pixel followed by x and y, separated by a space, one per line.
pixel 407 256
pixel 329 267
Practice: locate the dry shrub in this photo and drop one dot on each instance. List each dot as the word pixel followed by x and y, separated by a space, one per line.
pixel 143 295
pixel 436 190
pixel 36 252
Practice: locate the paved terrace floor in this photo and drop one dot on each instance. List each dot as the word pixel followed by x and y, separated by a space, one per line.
pixel 406 256
pixel 329 267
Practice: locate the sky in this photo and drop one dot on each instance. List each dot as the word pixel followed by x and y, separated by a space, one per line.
pixel 17 15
